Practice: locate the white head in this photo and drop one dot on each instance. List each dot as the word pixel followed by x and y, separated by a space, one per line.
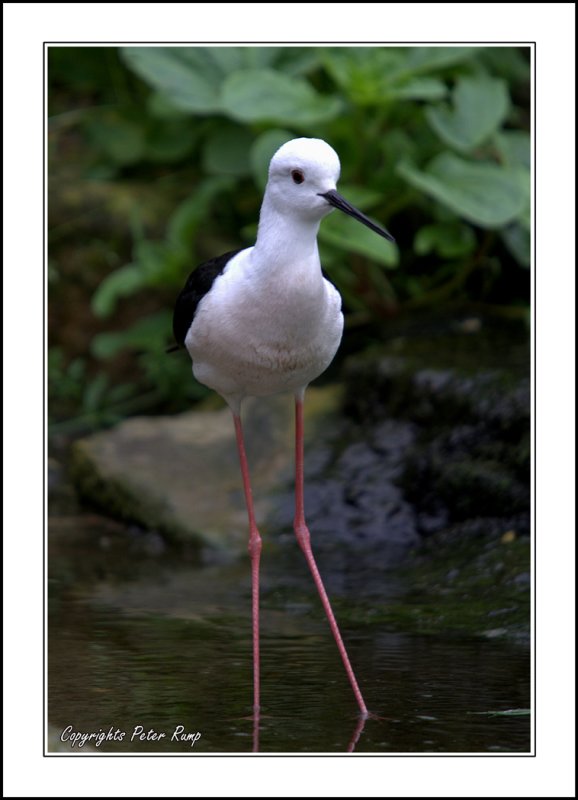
pixel 299 172
pixel 303 175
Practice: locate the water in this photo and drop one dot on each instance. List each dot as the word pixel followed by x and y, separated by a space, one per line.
pixel 139 637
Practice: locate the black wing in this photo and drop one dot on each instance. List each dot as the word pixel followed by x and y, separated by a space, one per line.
pixel 198 284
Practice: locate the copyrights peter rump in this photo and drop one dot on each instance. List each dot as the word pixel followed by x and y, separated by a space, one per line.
pixel 78 739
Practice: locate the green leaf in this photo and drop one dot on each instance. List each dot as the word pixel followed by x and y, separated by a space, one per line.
pixel 200 60
pixel 360 196
pixel 508 63
pixel 181 75
pixel 226 59
pixel 94 393
pixel 226 151
pixel 158 261
pixel 364 73
pixel 259 57
pixel 430 59
pixel 420 89
pixel 120 283
pixel 398 146
pixel 514 148
pixel 372 76
pixel 347 233
pixel 268 96
pixel 483 193
pixel 193 211
pixel 232 59
pixel 161 107
pixel 447 239
pixel 480 105
pixel 517 239
pixel 295 61
pixel 149 333
pixel 262 151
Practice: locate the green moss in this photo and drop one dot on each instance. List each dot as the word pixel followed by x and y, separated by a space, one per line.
pixel 464 589
pixel 115 498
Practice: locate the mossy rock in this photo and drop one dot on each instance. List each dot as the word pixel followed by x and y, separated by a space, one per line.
pixel 180 475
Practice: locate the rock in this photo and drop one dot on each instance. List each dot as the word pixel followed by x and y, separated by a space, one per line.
pixel 180 475
pixel 467 425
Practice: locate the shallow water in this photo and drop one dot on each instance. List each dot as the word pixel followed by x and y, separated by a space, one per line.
pixel 138 637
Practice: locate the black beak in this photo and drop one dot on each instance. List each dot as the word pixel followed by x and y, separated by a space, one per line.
pixel 337 201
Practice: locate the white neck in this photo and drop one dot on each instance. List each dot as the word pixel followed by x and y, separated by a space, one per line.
pixel 286 239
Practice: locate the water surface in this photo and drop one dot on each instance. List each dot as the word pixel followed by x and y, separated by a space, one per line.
pixel 139 637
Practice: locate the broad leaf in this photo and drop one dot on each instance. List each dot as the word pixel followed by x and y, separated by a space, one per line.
pixel 430 59
pixel 514 147
pixel 447 239
pixel 419 89
pixel 516 237
pixel 122 282
pixel 364 73
pixel 226 59
pixel 183 76
pixel 480 105
pixel 347 233
pixel 298 60
pixel 360 196
pixel 187 217
pixel 268 96
pixel 483 193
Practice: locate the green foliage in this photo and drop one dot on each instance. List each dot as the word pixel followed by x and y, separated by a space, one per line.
pixel 85 401
pixel 160 263
pixel 267 96
pixel 446 239
pixel 433 141
pixel 480 106
pixel 350 236
pixel 486 194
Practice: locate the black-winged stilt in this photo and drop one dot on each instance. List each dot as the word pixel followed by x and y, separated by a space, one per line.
pixel 264 320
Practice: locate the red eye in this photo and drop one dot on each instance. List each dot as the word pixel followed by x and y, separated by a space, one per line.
pixel 297 175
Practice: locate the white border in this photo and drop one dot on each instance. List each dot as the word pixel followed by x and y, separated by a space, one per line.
pixel 550 773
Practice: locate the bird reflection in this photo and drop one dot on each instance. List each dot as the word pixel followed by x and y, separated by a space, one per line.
pixel 357 732
pixel 256 720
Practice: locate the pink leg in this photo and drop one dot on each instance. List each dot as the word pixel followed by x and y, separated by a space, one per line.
pixel 255 553
pixel 304 539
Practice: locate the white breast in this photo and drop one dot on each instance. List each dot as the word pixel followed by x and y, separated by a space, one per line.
pixel 260 333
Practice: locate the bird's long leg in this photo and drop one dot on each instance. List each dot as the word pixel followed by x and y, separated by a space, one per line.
pixel 304 540
pixel 255 553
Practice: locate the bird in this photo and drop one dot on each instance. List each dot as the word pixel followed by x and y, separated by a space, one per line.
pixel 265 320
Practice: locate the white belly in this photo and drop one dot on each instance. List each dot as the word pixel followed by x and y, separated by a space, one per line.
pixel 257 340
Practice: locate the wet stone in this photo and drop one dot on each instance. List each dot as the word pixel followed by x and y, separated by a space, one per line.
pixel 180 476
